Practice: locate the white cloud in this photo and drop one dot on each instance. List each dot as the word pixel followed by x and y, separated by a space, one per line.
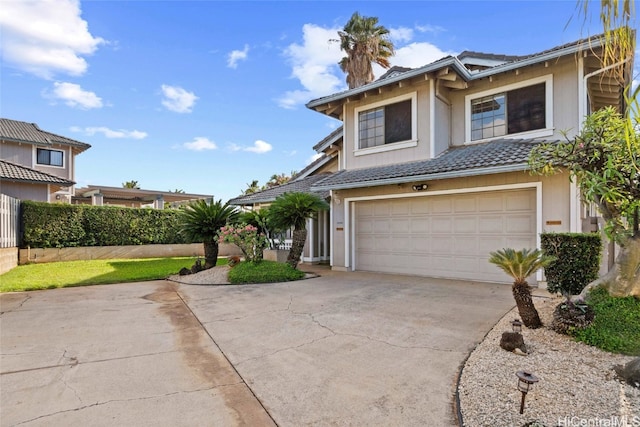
pixel 46 37
pixel 259 147
pixel 435 29
pixel 416 55
pixel 74 96
pixel 315 65
pixel 314 158
pixel 111 133
pixel 178 99
pixel 237 55
pixel 401 34
pixel 200 143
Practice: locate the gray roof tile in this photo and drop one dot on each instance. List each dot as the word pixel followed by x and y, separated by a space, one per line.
pixel 467 160
pixel 269 195
pixel 13 172
pixel 13 130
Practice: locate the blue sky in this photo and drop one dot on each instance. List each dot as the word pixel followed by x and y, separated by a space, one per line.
pixel 206 96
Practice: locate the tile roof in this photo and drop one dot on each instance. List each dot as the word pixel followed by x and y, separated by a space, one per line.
pixel 500 155
pixel 269 195
pixel 329 139
pixel 13 172
pixel 13 130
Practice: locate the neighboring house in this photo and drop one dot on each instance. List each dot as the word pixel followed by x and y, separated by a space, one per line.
pixel 35 164
pixel 431 162
pixel 100 195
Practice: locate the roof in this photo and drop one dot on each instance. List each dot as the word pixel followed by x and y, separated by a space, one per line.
pixel 502 155
pixel 136 194
pixel 466 74
pixel 18 173
pixel 313 166
pixel 332 138
pixel 16 131
pixel 302 185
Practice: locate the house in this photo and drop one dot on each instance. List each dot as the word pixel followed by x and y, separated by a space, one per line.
pixel 35 164
pixel 100 195
pixel 431 163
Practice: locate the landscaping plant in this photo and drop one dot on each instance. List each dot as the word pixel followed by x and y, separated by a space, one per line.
pixel 247 237
pixel 520 265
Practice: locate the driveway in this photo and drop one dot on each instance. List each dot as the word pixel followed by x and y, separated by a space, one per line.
pixel 340 349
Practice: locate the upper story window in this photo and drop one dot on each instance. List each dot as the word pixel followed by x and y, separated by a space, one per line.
pixel 517 108
pixel 389 122
pixel 50 157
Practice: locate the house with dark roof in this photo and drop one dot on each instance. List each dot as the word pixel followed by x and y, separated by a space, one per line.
pixel 36 164
pixel 431 170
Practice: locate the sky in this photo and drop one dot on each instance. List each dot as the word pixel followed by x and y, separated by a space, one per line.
pixel 206 96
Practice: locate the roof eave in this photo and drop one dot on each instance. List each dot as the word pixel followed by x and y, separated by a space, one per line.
pixel 517 167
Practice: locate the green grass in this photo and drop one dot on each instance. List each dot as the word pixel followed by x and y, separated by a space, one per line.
pixel 616 327
pixel 263 272
pixel 91 272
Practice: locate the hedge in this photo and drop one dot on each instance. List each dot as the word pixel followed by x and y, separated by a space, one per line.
pixel 53 225
pixel 577 260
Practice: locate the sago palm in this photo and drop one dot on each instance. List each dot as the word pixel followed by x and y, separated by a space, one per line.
pixel 520 265
pixel 201 221
pixel 293 210
pixel 364 42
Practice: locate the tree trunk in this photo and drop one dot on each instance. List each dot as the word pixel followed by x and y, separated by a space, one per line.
pixel 623 280
pixel 210 254
pixel 297 246
pixel 524 302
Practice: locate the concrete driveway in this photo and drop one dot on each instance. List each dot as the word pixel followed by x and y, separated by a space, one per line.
pixel 341 349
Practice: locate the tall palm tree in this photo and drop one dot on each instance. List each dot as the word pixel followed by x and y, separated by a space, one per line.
pixel 201 221
pixel 131 184
pixel 293 210
pixel 364 42
pixel 520 265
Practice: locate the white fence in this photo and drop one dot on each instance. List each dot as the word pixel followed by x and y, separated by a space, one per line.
pixel 9 221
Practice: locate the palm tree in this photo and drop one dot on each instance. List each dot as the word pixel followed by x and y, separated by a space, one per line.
pixel 293 210
pixel 520 265
pixel 251 188
pixel 131 184
pixel 201 221
pixel 364 42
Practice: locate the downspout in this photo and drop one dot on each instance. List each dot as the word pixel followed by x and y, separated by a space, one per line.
pixel 447 101
pixel 432 118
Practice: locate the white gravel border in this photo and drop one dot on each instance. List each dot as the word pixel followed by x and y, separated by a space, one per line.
pixel 577 387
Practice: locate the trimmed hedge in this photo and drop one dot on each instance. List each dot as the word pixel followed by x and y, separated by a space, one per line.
pixel 53 225
pixel 577 260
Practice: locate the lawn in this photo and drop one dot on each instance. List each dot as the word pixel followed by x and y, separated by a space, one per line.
pixel 91 272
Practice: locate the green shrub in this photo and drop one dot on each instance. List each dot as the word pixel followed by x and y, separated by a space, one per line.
pixel 48 225
pixel 263 272
pixel 616 327
pixel 577 260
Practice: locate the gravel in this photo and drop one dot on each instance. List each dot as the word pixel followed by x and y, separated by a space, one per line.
pixel 577 386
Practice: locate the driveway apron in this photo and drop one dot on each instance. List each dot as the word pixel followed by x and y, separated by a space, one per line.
pixel 351 348
pixel 116 355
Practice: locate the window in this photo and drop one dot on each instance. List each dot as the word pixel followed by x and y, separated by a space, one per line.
pixel 523 107
pixel 49 157
pixel 385 125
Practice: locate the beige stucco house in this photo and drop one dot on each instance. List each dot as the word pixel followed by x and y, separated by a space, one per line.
pixel 431 163
pixel 36 164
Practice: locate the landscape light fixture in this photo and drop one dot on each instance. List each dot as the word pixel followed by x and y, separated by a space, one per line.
pixel 516 325
pixel 419 187
pixel 525 382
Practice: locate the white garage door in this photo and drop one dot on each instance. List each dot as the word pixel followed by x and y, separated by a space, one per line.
pixel 444 236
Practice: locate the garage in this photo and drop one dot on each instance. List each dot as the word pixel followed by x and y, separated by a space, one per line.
pixel 446 236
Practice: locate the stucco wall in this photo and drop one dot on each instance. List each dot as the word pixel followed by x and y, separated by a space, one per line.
pixel 8 259
pixel 39 255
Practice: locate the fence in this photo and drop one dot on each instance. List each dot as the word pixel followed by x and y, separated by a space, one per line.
pixel 9 221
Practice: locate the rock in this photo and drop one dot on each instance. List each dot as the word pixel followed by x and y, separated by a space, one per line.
pixel 184 271
pixel 630 372
pixel 511 341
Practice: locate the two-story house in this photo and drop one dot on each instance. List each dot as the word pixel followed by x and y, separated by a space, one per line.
pixel 431 162
pixel 35 164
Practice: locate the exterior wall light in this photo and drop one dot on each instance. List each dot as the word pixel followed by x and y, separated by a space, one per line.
pixel 516 326
pixel 419 187
pixel 525 382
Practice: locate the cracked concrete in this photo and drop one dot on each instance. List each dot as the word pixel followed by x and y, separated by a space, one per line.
pixel 340 349
pixel 130 354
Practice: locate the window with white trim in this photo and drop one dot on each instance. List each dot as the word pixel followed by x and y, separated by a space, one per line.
pixel 388 123
pixel 50 157
pixel 517 108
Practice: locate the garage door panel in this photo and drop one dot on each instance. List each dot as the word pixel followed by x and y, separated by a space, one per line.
pixel 443 236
